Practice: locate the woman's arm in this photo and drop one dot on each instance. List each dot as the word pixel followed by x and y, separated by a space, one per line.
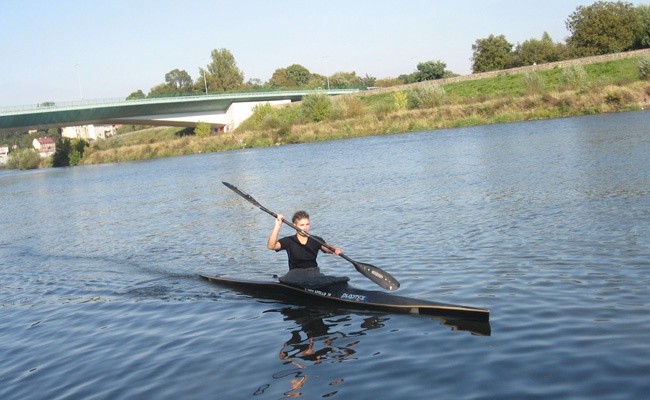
pixel 273 243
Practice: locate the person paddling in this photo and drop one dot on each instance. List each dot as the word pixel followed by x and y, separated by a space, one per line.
pixel 302 251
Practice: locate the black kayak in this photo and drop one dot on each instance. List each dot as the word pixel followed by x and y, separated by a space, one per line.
pixel 344 295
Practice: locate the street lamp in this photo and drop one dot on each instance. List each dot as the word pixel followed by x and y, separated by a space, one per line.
pixel 205 82
pixel 81 93
pixel 327 74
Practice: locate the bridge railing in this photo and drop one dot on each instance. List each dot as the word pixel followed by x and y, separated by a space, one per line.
pixel 90 103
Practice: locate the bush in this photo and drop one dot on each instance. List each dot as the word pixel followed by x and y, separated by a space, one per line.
pixel 401 100
pixel 428 96
pixel 574 77
pixel 23 159
pixel 534 82
pixel 203 129
pixel 644 68
pixel 316 107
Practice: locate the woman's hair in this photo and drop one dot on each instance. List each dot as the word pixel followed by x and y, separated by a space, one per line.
pixel 299 215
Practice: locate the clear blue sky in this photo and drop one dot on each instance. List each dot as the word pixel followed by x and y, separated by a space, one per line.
pixel 61 50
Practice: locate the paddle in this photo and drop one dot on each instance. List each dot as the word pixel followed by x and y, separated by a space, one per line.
pixel 375 274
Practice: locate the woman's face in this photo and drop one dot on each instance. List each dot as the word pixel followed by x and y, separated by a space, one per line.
pixel 303 224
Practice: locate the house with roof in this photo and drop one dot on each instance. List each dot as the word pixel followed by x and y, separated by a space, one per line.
pixel 45 146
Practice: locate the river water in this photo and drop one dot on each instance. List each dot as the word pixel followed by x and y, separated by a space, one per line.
pixel 545 223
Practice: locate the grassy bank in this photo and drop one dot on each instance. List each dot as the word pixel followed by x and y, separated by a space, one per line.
pixel 604 87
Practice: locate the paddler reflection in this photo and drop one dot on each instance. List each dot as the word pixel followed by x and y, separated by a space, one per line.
pixel 318 338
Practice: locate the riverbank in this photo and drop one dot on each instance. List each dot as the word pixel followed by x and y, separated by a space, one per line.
pixel 532 93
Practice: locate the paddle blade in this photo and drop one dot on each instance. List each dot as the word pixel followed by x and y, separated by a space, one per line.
pixel 242 194
pixel 377 275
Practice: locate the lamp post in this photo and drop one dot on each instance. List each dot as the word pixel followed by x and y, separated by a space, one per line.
pixel 327 74
pixel 205 82
pixel 81 93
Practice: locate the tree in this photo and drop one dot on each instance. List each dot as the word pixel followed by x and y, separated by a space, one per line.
pixel 430 70
pixel 179 80
pixel 61 157
pixel 23 159
pixel 368 81
pixel 69 152
pixel 222 73
pixel 161 90
pixel 316 107
pixel 643 38
pixel 491 53
pixel 292 76
pixel 137 95
pixel 603 28
pixel 345 80
pixel 202 129
pixel 538 51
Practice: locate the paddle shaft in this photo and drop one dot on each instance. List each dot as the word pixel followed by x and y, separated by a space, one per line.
pixel 375 274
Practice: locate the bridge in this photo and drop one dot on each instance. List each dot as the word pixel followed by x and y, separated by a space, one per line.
pixel 224 111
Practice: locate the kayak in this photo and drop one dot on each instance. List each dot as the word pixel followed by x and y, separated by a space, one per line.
pixel 344 295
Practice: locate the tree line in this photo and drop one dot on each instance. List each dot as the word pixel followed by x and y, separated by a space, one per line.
pixel 601 28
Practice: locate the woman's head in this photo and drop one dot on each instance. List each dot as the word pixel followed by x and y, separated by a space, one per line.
pixel 301 220
pixel 299 215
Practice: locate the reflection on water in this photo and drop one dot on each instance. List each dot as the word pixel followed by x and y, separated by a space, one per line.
pixel 319 336
pixel 545 223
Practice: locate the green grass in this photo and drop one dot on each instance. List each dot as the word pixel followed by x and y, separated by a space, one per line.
pixel 604 87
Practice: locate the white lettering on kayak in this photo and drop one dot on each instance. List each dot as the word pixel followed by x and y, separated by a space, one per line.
pixel 353 297
pixel 318 292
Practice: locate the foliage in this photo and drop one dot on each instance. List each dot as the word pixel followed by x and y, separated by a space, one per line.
pixel 428 96
pixel 222 73
pixel 491 53
pixel 644 68
pixel 538 51
pixel 316 107
pixel 202 129
pixel 137 95
pixel 292 76
pixel 574 77
pixel 534 82
pixel 69 152
pixel 368 81
pixel 430 70
pixel 401 100
pixel 603 27
pixel 345 80
pixel 179 81
pixel 261 112
pixel 23 159
pixel 643 38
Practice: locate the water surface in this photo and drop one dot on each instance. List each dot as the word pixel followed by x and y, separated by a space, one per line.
pixel 544 223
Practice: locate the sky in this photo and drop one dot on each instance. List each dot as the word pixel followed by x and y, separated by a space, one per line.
pixel 68 50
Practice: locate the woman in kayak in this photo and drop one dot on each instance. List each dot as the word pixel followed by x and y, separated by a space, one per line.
pixel 301 250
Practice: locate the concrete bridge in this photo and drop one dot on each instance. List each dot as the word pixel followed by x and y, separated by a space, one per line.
pixel 223 111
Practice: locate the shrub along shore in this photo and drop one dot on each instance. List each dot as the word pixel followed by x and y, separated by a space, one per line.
pixel 523 95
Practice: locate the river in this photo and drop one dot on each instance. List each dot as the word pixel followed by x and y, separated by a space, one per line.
pixel 545 223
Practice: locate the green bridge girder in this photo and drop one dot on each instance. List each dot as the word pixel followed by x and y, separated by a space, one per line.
pixel 21 119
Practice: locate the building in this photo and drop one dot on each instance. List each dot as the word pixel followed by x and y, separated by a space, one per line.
pixel 45 146
pixel 4 155
pixel 89 132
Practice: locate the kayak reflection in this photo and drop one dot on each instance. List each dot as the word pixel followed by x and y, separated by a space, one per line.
pixel 317 338
pixel 323 335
